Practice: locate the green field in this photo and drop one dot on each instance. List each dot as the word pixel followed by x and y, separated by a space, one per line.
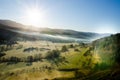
pixel 78 62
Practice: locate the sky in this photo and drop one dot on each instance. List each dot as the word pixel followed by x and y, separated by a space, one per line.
pixel 101 16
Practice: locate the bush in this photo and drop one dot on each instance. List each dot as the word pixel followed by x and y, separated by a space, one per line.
pixel 64 48
pixel 117 55
pixel 37 57
pixel 71 46
pixel 53 54
pixel 30 59
pixel 2 54
pixel 14 59
pixel 76 49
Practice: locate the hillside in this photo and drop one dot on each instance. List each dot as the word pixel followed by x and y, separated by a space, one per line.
pixel 108 46
pixel 99 60
pixel 9 29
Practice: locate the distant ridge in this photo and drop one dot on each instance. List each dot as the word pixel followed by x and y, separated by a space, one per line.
pixel 11 28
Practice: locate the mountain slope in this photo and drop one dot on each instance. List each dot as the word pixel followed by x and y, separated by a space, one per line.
pixel 70 33
pixel 30 32
pixel 108 48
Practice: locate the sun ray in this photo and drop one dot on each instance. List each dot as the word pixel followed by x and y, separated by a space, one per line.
pixel 33 14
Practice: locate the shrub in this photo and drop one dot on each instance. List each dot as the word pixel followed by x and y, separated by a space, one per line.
pixel 64 48
pixel 71 46
pixel 53 54
pixel 2 54
pixel 76 49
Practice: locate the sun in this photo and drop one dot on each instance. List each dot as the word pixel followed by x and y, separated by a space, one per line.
pixel 33 16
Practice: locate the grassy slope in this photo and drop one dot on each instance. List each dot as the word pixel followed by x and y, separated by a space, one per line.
pixel 26 71
pixel 99 68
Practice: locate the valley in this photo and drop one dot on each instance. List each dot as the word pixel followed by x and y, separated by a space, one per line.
pixel 56 54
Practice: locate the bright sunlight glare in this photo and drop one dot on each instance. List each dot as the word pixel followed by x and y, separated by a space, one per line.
pixel 33 16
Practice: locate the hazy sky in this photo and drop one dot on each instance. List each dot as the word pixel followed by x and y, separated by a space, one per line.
pixel 102 16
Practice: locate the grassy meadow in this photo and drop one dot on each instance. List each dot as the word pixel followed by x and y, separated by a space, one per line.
pixel 45 60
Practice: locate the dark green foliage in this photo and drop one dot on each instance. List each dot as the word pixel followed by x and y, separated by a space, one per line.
pixel 64 48
pixel 14 59
pixel 76 49
pixel 87 53
pixel 2 54
pixel 11 59
pixel 111 44
pixel 3 59
pixel 71 46
pixel 117 50
pixel 37 57
pixel 117 55
pixel 30 59
pixel 82 44
pixel 53 54
pixel 101 66
pixel 2 48
pixel 30 49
